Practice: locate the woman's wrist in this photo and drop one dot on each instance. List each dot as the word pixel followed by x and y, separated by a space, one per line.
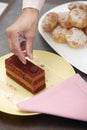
pixel 32 11
pixel 35 4
pixel 29 9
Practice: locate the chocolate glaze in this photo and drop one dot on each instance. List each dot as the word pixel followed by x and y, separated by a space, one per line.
pixel 30 76
pixel 28 68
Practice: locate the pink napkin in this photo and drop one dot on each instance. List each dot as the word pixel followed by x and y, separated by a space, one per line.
pixel 67 99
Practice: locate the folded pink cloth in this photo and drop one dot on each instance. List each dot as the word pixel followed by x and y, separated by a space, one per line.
pixel 67 99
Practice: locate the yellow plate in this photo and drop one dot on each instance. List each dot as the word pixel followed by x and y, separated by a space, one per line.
pixel 56 70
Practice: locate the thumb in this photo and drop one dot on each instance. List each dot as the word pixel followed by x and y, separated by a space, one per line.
pixel 29 47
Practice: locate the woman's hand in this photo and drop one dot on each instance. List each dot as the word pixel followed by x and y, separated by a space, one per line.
pixel 26 27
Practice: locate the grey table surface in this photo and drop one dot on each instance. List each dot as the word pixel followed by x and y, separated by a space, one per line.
pixel 42 121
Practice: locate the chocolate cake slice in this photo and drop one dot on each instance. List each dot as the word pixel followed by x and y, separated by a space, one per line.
pixel 28 75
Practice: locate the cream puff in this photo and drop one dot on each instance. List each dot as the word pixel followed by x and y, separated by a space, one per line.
pixel 50 21
pixel 76 38
pixel 58 34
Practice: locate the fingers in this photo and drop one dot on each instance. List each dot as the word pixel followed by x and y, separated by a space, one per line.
pixel 30 40
pixel 23 49
pixel 29 47
pixel 14 45
pixel 26 29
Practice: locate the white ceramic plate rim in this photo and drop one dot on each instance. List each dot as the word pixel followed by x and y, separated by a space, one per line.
pixel 76 57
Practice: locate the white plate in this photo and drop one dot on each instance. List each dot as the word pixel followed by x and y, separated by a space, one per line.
pixel 76 57
pixel 11 93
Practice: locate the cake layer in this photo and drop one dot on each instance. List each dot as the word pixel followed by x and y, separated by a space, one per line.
pixel 30 76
